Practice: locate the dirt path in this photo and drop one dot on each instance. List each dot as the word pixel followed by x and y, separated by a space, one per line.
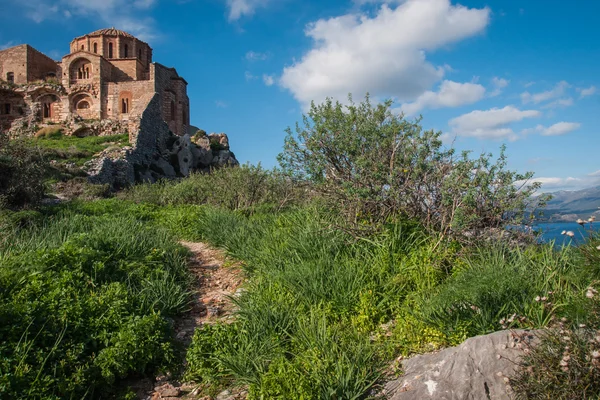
pixel 217 278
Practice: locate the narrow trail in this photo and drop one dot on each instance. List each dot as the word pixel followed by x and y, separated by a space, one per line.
pixel 216 279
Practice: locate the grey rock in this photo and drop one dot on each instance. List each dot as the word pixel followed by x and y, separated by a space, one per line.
pixel 475 370
pixel 224 395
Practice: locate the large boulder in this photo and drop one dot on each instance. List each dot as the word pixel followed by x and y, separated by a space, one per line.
pixel 478 369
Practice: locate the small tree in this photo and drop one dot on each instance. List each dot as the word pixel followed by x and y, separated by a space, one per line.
pixel 21 174
pixel 371 164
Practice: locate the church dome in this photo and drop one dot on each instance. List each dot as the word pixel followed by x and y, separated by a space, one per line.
pixel 110 32
pixel 107 32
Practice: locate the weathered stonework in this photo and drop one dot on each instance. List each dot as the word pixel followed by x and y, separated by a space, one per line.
pixel 158 153
pixel 109 85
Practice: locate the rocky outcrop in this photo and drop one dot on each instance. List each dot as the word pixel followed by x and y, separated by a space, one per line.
pixel 158 153
pixel 478 369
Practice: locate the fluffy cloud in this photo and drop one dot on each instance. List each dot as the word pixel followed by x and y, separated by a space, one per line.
pixel 586 92
pixel 241 8
pixel 384 53
pixel 490 124
pixel 499 84
pixel 268 80
pixel 536 98
pixel 560 128
pixel 450 94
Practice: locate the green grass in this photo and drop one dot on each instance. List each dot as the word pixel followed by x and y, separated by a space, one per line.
pixel 72 149
pixel 83 303
pixel 88 290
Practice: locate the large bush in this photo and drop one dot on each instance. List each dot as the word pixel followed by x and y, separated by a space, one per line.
pixel 22 176
pixel 370 164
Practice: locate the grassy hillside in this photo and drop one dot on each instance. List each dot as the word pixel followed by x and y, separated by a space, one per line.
pixel 354 253
pixel 88 290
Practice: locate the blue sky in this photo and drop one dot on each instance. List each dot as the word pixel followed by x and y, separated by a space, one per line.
pixel 524 73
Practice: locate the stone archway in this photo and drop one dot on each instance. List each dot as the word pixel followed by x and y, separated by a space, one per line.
pixel 82 105
pixel 80 69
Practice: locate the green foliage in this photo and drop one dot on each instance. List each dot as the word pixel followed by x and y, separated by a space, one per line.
pixel 21 180
pixel 500 282
pixel 77 150
pixel 564 365
pixel 247 188
pixel 370 164
pixel 80 305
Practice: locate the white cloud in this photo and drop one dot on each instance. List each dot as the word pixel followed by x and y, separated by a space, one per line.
pixel 528 84
pixel 384 54
pixel 566 102
pixel 122 14
pixel 256 56
pixel 499 84
pixel 450 94
pixel 221 104
pixel 241 8
pixel 268 80
pixel 490 124
pixel 586 92
pixel 555 92
pixel 597 173
pixel 560 128
pixel 248 75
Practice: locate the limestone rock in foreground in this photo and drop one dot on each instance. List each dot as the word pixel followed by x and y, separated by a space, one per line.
pixel 475 370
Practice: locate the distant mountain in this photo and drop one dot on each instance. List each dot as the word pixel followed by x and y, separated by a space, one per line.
pixel 571 205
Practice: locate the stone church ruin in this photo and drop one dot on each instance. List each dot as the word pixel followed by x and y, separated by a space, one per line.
pixel 109 84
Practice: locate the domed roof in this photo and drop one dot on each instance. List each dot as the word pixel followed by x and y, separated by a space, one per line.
pixel 110 32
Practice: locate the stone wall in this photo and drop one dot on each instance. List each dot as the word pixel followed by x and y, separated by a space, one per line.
pixel 14 60
pixel 175 104
pixel 136 91
pixel 39 66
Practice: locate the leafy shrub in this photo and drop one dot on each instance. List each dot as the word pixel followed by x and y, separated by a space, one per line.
pixel 370 164
pixel 246 188
pixel 22 177
pixel 79 303
pixel 564 365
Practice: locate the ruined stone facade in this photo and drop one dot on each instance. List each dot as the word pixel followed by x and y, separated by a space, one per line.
pixel 107 75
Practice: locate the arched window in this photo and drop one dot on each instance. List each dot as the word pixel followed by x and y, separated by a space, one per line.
pixel 95 47
pixel 87 72
pixel 126 51
pixel 124 106
pixel 172 110
pixel 10 77
pixel 184 117
pixel 80 73
pixel 83 104
pixel 140 54
pixel 110 50
pixel 82 47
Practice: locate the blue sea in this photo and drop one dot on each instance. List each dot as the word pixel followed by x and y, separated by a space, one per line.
pixel 552 231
